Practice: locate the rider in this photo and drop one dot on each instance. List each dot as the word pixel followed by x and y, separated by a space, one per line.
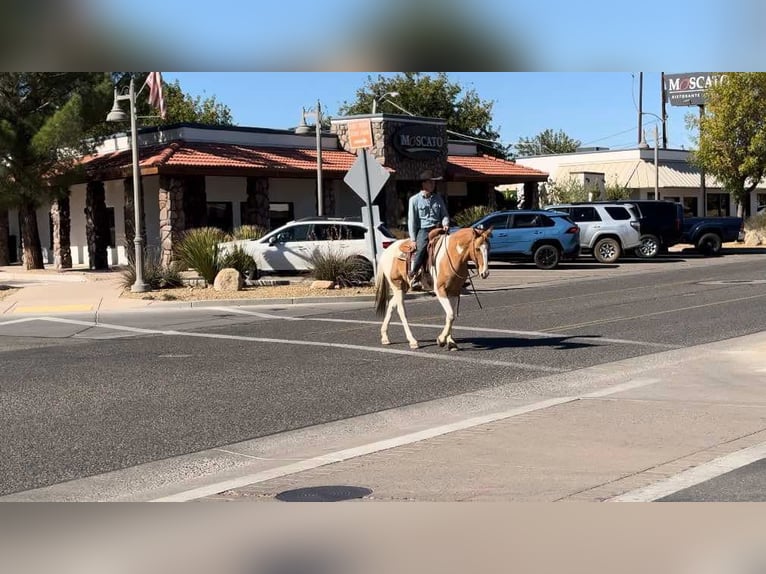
pixel 427 211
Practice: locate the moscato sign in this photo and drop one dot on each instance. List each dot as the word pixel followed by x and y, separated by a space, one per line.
pixel 419 141
pixel 689 89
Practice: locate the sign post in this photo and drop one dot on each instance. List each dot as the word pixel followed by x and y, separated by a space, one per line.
pixel 366 178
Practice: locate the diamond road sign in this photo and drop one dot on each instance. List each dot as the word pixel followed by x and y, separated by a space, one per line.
pixel 366 177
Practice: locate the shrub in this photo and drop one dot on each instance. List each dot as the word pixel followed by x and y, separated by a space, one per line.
pixel 155 275
pixel 471 214
pixel 248 232
pixel 238 259
pixel 328 265
pixel 198 250
pixel 756 222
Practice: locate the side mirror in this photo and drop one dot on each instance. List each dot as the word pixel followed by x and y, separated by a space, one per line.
pixel 272 240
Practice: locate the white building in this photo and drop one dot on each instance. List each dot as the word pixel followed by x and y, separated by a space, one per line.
pixel 634 169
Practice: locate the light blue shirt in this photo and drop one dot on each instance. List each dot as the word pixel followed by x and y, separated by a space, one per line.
pixel 426 212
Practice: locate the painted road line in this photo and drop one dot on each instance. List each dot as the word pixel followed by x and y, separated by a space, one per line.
pixel 54 308
pixel 694 476
pixel 386 444
pixel 383 350
pixel 537 334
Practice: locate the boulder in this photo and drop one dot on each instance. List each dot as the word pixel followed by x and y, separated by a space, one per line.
pixel 323 285
pixel 228 280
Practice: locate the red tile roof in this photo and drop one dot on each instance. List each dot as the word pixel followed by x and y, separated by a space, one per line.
pixel 231 159
pixel 461 167
pixel 184 156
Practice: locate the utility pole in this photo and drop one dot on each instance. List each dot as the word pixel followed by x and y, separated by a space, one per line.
pixel 640 105
pixel 664 113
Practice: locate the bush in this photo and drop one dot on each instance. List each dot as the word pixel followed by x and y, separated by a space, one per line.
pixel 198 250
pixel 248 232
pixel 155 275
pixel 756 222
pixel 328 265
pixel 471 214
pixel 238 259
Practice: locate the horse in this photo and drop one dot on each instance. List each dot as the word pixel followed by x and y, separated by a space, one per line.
pixel 449 272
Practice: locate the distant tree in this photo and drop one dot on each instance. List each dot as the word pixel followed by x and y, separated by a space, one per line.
pixel 732 134
pixel 433 96
pixel 547 142
pixel 46 120
pixel 181 107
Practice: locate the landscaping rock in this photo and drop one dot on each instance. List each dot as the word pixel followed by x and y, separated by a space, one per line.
pixel 323 285
pixel 228 280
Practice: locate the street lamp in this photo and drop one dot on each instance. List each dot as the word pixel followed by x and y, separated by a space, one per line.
pixel 644 145
pixel 304 129
pixel 117 115
pixel 381 98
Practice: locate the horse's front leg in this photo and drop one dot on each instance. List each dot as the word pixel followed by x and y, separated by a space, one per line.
pixel 449 303
pixel 398 300
pixel 384 340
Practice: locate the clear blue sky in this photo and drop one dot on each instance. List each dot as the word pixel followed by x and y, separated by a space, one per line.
pixel 597 108
pixel 582 52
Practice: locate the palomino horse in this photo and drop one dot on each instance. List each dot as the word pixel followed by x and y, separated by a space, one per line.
pixel 449 272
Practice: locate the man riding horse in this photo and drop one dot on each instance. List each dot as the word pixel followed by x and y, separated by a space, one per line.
pixel 427 211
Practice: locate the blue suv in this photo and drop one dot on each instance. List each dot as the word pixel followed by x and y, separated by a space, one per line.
pixel 545 237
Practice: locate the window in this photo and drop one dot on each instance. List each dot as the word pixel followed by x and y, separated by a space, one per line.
pixel 618 213
pixel 497 222
pixel 585 214
pixel 294 233
pixel 219 214
pixel 718 204
pixel 526 220
pixel 280 214
pixel 110 221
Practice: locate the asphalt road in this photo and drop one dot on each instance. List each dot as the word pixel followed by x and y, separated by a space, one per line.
pixel 78 400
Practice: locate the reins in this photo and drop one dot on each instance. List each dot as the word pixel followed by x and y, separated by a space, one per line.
pixel 463 277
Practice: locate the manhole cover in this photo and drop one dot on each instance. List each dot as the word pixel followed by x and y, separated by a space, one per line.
pixel 323 494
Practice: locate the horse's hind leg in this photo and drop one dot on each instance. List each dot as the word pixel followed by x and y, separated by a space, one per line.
pixel 386 320
pixel 398 300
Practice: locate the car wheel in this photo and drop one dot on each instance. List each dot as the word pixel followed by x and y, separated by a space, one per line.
pixel 649 248
pixel 709 244
pixel 607 250
pixel 547 256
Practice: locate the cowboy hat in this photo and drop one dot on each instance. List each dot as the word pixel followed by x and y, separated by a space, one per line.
pixel 428 175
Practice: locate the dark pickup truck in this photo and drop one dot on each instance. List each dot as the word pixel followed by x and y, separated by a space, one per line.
pixel 708 234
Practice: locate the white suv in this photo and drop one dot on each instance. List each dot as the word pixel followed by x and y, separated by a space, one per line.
pixel 289 248
pixel 606 229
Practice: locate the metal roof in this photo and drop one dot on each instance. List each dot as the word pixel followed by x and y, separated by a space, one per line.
pixel 639 173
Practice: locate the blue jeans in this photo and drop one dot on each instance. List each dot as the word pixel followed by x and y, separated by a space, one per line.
pixel 421 240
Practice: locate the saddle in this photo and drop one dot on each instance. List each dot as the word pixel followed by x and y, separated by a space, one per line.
pixel 408 248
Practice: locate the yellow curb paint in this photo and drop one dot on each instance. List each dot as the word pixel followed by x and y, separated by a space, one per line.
pixel 53 308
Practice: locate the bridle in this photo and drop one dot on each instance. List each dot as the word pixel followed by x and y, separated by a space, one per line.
pixel 472 256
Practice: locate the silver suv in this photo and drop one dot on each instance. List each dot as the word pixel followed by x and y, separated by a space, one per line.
pixel 606 229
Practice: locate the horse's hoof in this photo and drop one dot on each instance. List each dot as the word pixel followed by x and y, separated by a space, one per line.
pixel 452 346
pixel 385 342
pixel 414 345
pixel 440 342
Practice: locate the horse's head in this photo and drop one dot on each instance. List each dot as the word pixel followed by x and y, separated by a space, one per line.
pixel 480 250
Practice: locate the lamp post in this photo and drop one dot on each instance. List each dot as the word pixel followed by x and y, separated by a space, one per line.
pixel 656 154
pixel 381 98
pixel 304 129
pixel 117 115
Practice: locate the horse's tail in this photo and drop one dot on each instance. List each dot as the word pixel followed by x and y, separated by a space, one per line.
pixel 381 294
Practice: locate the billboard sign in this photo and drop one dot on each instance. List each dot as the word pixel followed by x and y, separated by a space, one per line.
pixel 689 89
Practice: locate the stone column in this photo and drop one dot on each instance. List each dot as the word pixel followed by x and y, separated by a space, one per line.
pixel 96 225
pixel 62 225
pixel 531 196
pixel 257 205
pixel 491 196
pixel 172 217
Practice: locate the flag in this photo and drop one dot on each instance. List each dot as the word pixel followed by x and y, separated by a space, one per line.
pixel 154 81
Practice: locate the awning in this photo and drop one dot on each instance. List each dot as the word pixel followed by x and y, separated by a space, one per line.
pixel 637 174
